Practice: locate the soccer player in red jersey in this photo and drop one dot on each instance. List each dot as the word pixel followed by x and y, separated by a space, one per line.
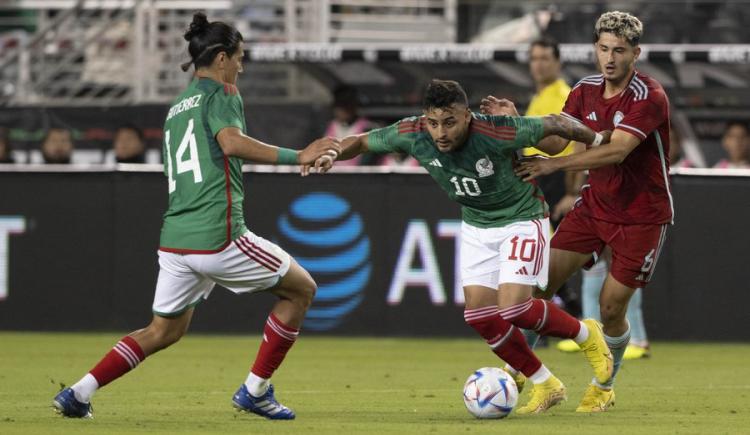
pixel 627 204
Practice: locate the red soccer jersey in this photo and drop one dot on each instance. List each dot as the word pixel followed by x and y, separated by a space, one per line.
pixel 635 191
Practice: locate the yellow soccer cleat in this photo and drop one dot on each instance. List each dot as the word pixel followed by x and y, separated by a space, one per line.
pixel 633 351
pixel 544 396
pixel 596 399
pixel 519 378
pixel 569 346
pixel 597 352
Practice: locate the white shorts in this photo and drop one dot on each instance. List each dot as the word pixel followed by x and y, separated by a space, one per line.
pixel 249 264
pixel 516 253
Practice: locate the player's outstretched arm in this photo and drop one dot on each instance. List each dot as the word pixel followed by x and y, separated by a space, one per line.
pixel 619 147
pixel 234 143
pixel 351 147
pixel 559 131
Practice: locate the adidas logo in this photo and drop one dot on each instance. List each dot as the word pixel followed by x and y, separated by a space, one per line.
pixel 436 163
pixel 591 116
pixel 522 271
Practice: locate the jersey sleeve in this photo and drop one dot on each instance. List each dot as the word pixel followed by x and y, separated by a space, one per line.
pixel 397 137
pixel 644 117
pixel 225 110
pixel 518 132
pixel 574 104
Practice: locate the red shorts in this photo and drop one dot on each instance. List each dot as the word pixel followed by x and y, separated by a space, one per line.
pixel 635 248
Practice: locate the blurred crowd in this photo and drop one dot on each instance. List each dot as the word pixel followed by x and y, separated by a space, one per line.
pixel 128 146
pixel 58 147
pixel 58 144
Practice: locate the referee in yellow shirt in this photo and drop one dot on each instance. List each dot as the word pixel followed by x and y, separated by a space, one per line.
pixel 560 188
pixel 551 89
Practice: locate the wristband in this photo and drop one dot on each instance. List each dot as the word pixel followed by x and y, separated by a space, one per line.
pixel 287 157
pixel 597 140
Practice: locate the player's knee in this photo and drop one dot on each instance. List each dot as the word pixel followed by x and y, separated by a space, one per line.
pixel 165 337
pixel 307 293
pixel 543 294
pixel 302 294
pixel 611 312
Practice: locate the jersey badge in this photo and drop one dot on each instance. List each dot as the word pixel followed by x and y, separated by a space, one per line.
pixel 617 118
pixel 436 163
pixel 484 167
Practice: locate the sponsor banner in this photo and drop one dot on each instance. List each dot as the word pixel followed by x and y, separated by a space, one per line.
pixel 78 252
pixel 481 53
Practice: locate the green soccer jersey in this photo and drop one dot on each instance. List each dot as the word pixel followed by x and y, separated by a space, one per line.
pixel 479 175
pixel 205 186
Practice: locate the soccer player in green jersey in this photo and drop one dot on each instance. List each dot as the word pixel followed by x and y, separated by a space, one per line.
pixel 204 240
pixel 504 238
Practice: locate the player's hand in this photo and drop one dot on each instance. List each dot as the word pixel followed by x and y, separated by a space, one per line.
pixel 321 166
pixel 318 148
pixel 529 169
pixel 563 206
pixel 497 106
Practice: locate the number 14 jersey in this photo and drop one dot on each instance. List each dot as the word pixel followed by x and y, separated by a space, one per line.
pixel 479 175
pixel 205 186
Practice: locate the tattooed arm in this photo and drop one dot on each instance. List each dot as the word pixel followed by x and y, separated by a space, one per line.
pixel 620 145
pixel 559 131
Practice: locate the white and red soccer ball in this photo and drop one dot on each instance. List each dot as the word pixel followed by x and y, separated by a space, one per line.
pixel 490 392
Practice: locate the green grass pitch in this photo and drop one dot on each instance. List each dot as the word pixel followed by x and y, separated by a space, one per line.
pixel 361 385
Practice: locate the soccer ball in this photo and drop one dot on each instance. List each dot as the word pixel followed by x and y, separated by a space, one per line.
pixel 490 393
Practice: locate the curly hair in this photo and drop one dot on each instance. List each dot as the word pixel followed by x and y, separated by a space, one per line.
pixel 622 24
pixel 442 94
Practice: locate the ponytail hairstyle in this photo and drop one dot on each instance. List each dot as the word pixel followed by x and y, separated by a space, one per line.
pixel 206 40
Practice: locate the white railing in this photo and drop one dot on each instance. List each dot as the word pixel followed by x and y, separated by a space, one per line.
pixel 391 21
pixel 108 52
pixel 99 52
pixel 325 21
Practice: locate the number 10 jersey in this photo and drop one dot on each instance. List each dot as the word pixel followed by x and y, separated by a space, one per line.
pixel 478 175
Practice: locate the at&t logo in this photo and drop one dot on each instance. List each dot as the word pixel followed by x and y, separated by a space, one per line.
pixel 327 238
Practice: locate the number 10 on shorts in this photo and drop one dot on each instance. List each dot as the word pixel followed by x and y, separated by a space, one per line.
pixel 524 250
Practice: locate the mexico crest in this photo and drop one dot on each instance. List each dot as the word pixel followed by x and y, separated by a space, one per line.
pixel 484 167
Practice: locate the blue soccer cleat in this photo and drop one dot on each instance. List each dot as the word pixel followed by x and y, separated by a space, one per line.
pixel 65 403
pixel 265 405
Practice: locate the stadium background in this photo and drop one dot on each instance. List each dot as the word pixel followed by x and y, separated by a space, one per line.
pixel 384 348
pixel 92 67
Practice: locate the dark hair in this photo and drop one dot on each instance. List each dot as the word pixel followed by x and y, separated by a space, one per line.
pixel 736 122
pixel 5 154
pixel 547 42
pixel 444 93
pixel 345 96
pixel 133 128
pixel 49 131
pixel 206 40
